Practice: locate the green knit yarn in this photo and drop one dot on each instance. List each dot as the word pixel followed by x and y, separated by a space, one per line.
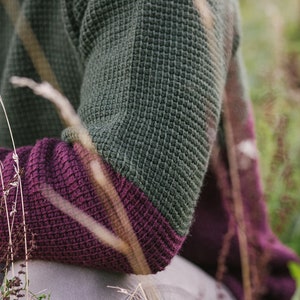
pixel 151 77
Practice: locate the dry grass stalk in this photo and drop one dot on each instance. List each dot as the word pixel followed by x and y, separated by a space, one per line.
pixel 238 203
pixel 137 294
pixel 220 169
pixel 120 220
pixel 99 231
pixel 127 241
pixel 65 109
pixel 29 41
pixel 206 16
pixel 114 206
pixel 68 115
pixel 17 184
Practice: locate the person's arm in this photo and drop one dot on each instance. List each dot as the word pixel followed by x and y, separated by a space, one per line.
pixel 154 74
pixel 53 235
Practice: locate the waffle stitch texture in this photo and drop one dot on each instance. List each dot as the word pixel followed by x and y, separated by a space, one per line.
pixel 149 88
pixel 147 78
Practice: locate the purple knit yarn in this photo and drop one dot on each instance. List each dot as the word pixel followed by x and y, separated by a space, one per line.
pixel 205 241
pixel 57 237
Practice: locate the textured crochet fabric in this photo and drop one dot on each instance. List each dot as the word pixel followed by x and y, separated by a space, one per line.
pixel 147 79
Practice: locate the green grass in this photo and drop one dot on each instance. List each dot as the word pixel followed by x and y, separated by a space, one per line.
pixel 271 49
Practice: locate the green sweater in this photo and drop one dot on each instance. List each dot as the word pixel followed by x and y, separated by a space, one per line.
pixel 147 79
pixel 143 81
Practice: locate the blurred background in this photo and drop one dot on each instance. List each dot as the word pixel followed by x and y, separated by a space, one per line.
pixel 271 49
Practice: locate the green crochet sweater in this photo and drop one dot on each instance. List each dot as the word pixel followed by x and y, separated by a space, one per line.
pixel 143 83
pixel 147 79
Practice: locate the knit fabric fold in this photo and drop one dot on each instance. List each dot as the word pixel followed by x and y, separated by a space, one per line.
pixel 57 236
pixel 148 79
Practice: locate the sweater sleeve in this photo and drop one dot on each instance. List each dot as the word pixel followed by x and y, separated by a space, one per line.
pixel 154 75
pixel 53 235
pixel 151 92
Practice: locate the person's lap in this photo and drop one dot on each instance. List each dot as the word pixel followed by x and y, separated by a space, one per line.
pixel 180 280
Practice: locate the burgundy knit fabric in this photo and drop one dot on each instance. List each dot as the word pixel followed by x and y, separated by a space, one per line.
pixel 168 67
pixel 57 237
pixel 205 240
pixel 268 257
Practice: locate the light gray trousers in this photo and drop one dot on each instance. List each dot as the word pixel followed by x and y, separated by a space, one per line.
pixel 181 280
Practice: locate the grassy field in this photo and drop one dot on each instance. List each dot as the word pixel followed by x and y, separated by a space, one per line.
pixel 271 48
